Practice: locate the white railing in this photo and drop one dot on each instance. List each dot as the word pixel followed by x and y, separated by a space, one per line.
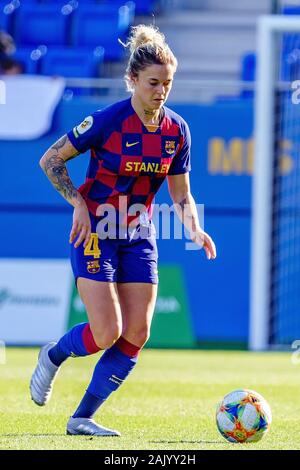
pixel 184 90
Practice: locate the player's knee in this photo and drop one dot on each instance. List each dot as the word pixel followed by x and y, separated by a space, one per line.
pixel 105 338
pixel 141 336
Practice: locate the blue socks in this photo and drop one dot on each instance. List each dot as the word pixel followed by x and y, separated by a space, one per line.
pixel 78 341
pixel 110 372
pixel 57 355
pixel 88 406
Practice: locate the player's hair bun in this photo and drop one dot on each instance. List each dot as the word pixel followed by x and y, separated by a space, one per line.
pixel 142 34
pixel 147 46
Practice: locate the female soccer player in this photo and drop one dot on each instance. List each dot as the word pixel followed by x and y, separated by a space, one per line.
pixel 135 144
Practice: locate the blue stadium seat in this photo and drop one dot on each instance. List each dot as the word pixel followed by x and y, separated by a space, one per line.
pixel 72 62
pixel 291 10
pixel 115 4
pixel 7 16
pixel 248 67
pixel 142 7
pixel 248 72
pixel 101 25
pixel 4 22
pixel 146 7
pixel 42 24
pixel 119 3
pixel 74 2
pixel 29 59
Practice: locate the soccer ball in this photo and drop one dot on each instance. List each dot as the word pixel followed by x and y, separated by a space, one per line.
pixel 243 416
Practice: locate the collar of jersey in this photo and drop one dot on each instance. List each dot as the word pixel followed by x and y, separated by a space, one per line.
pixel 158 130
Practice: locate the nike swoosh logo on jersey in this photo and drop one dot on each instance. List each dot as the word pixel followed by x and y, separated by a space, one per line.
pixel 130 145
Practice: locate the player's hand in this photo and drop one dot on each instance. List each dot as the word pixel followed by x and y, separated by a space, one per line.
pixel 81 225
pixel 204 240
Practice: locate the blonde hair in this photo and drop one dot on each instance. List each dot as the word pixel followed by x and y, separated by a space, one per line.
pixel 147 46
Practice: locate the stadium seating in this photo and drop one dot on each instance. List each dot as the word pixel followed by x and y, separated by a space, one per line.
pixel 7 14
pixel 290 57
pixel 72 62
pixel 248 72
pixel 291 10
pixel 64 2
pixel 248 67
pixel 101 25
pixel 147 7
pixel 115 4
pixel 37 24
pixel 85 25
pixel 4 23
pixel 142 7
pixel 29 59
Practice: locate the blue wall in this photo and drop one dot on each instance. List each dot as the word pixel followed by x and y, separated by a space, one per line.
pixel 218 291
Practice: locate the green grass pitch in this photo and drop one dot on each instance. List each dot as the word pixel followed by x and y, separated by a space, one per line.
pixel 167 403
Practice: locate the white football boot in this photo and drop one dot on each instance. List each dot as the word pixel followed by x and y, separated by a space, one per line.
pixel 43 377
pixel 88 427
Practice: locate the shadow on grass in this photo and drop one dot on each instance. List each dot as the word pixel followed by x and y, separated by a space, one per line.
pixel 180 441
pixel 186 442
pixel 40 435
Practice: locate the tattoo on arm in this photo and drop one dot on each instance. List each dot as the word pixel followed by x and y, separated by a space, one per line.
pixel 56 171
pixel 187 214
pixel 193 224
pixel 60 143
pixel 69 151
pixel 183 203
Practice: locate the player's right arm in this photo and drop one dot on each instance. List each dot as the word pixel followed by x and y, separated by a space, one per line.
pixel 53 163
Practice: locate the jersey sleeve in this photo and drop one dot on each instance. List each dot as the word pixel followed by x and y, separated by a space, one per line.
pixel 182 161
pixel 89 133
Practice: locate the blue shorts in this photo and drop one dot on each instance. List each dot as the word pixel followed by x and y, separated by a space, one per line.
pixel 132 258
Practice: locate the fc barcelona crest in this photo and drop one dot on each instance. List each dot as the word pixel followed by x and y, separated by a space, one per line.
pixel 170 146
pixel 93 267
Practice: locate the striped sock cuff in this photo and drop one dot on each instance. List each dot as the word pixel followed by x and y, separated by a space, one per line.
pixel 88 340
pixel 127 348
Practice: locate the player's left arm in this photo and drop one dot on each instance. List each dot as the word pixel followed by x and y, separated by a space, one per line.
pixel 180 192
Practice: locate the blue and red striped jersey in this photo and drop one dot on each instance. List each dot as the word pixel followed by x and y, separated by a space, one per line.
pixel 126 158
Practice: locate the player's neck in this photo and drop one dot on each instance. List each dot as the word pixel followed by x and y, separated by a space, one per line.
pixel 149 117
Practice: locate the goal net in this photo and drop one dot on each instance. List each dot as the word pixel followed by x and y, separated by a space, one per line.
pixel 275 269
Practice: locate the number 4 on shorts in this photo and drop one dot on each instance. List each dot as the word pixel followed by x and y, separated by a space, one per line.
pixel 92 248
